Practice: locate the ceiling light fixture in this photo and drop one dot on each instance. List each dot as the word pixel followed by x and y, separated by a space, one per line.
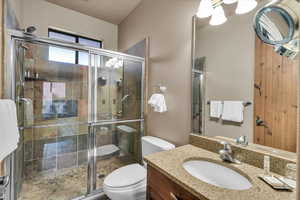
pixel 214 9
pixel 205 9
pixel 229 1
pixel 218 16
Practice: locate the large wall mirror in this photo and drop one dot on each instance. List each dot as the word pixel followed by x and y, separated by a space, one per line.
pixel 252 58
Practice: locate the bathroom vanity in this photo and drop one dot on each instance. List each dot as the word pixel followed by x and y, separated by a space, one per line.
pixel 168 179
pixel 161 187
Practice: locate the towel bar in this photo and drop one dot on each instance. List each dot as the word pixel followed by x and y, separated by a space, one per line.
pixel 248 103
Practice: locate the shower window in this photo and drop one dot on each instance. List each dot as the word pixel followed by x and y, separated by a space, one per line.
pixel 70 56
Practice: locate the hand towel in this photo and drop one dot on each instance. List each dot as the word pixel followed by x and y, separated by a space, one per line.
pixel 216 108
pixel 9 132
pixel 158 103
pixel 233 111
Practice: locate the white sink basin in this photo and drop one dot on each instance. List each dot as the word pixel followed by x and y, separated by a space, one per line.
pixel 217 175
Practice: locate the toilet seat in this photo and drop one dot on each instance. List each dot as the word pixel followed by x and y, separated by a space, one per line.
pixel 126 183
pixel 126 176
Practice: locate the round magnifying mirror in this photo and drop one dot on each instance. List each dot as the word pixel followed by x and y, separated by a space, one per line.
pixel 274 25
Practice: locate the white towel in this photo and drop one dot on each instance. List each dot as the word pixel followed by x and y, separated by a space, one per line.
pixel 9 132
pixel 216 108
pixel 233 111
pixel 158 103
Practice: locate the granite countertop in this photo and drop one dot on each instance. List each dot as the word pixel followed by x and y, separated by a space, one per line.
pixel 170 164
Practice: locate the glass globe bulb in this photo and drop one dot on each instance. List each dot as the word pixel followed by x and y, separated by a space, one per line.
pixel 218 16
pixel 205 9
pixel 245 6
pixel 229 1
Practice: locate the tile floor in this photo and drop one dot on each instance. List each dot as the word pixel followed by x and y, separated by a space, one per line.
pixel 68 183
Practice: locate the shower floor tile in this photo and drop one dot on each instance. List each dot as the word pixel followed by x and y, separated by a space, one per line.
pixel 68 183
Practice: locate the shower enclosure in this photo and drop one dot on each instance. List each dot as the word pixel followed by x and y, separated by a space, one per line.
pixel 80 114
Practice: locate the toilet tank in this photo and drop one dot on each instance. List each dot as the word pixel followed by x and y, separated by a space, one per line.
pixel 153 144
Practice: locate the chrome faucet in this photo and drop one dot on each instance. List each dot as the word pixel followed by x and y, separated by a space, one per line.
pixel 226 153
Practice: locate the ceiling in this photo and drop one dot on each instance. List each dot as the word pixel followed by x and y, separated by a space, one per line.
pixel 113 11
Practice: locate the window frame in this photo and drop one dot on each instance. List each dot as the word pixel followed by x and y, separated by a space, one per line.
pixel 77 37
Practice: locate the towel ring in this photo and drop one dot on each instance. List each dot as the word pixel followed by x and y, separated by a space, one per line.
pixel 161 88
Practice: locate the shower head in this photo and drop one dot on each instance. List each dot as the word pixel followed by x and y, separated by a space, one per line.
pixel 30 29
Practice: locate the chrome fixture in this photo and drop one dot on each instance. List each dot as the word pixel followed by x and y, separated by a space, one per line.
pixel 160 88
pixel 102 81
pixel 226 153
pixel 245 104
pixel 29 30
pixel 277 24
pixel 242 141
pixel 215 9
pixel 125 97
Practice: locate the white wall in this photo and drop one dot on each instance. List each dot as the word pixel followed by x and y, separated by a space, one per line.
pixel 13 13
pixel 43 15
pixel 168 24
pixel 17 6
pixel 230 53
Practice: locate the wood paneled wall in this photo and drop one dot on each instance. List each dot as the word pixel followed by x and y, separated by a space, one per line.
pixel 275 98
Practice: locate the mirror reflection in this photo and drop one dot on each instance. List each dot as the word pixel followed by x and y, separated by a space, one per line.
pixel 249 66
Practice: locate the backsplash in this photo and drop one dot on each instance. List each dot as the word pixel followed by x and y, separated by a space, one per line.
pixel 250 155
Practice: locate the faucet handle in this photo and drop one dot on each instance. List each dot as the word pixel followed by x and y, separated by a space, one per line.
pixel 226 145
pixel 242 140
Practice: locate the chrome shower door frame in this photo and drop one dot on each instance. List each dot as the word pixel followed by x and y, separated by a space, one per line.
pixel 10 93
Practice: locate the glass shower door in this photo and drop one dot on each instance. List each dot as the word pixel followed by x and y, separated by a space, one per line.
pixel 52 93
pixel 118 122
pixel 78 122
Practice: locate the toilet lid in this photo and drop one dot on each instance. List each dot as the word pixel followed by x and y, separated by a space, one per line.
pixel 126 176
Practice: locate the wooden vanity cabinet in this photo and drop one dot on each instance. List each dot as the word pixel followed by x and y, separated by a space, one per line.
pixel 160 187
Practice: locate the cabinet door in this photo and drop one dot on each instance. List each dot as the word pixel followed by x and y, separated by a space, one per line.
pixel 160 187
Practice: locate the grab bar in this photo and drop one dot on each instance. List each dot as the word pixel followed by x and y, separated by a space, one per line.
pixel 27 101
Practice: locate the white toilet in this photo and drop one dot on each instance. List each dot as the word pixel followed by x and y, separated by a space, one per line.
pixel 129 182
